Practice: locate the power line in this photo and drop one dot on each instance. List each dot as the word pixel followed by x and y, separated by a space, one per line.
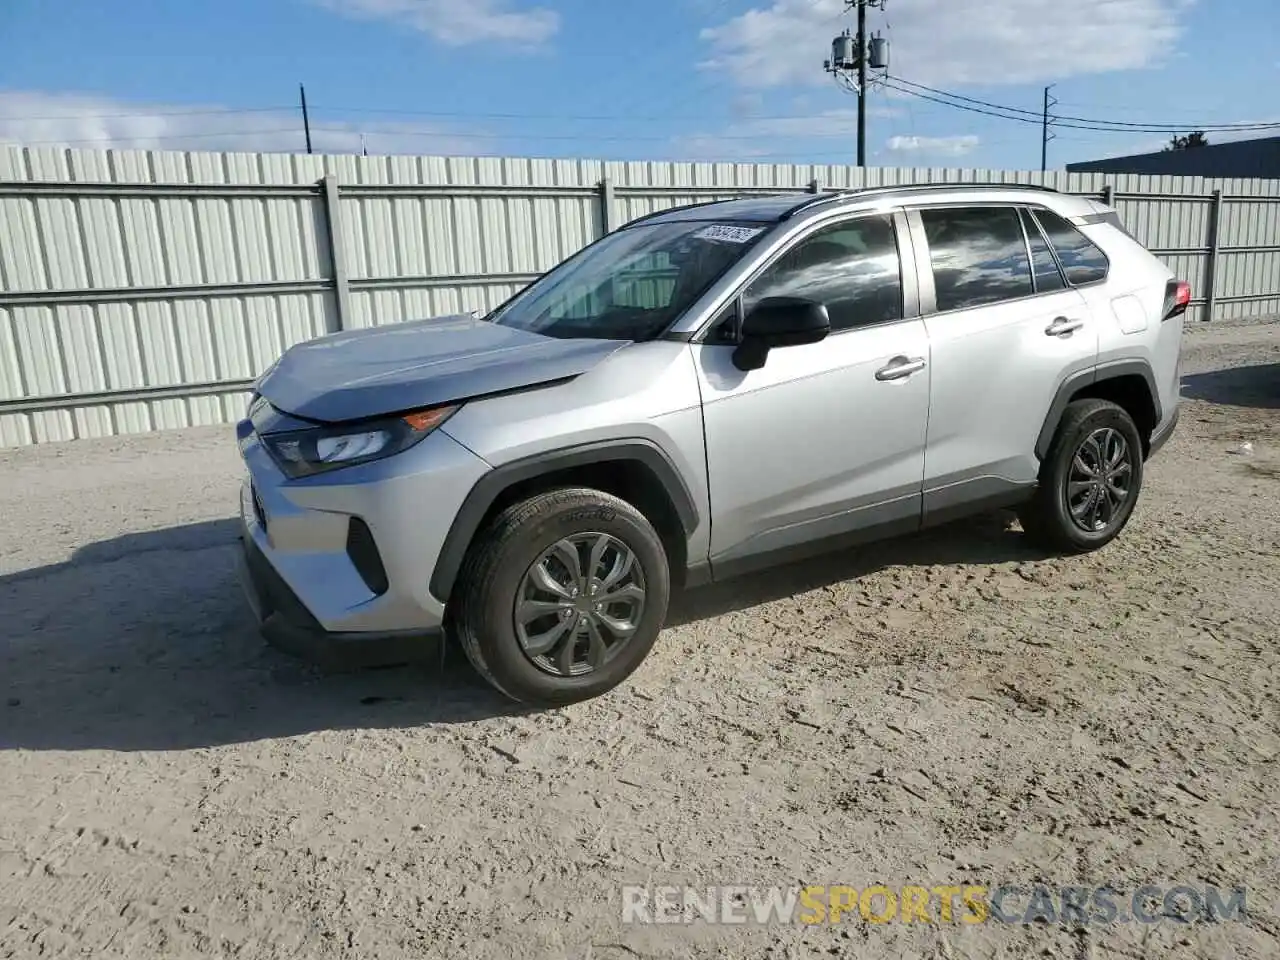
pixel 642 87
pixel 919 90
pixel 485 135
pixel 996 110
pixel 403 132
pixel 149 139
pixel 1125 125
pixel 392 112
pixel 628 118
pixel 210 111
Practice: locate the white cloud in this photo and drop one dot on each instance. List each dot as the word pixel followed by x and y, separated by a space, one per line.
pixel 940 42
pixel 945 146
pixel 34 118
pixel 829 133
pixel 457 22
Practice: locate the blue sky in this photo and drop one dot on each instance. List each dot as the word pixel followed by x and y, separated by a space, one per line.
pixel 624 79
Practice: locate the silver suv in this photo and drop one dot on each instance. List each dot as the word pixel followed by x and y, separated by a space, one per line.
pixel 709 390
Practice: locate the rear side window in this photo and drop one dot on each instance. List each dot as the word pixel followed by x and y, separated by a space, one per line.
pixel 1043 265
pixel 1081 258
pixel 979 256
pixel 852 267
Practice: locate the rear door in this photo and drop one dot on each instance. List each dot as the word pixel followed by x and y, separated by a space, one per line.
pixel 1004 330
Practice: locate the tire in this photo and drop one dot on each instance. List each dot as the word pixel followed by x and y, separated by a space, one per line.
pixel 1048 519
pixel 493 579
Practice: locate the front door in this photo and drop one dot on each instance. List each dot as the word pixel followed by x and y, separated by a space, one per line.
pixel 826 440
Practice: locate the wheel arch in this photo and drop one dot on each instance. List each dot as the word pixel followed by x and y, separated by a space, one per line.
pixel 1131 384
pixel 634 469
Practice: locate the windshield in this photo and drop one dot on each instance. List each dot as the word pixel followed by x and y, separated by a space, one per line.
pixel 633 284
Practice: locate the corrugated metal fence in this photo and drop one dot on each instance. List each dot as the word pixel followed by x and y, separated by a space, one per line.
pixel 141 291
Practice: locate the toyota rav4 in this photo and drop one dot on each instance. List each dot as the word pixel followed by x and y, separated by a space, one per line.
pixel 707 391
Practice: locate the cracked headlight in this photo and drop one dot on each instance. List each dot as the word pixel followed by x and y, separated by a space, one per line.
pixel 304 453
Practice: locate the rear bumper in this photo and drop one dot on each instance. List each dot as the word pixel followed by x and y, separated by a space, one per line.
pixel 287 624
pixel 1163 432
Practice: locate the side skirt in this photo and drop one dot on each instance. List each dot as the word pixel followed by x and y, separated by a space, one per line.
pixel 969 497
pixel 942 505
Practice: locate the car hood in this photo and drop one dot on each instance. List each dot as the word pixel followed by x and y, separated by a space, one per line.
pixel 421 363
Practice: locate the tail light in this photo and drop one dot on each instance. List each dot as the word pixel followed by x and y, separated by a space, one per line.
pixel 1177 297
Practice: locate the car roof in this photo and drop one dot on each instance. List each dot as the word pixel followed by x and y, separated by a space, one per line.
pixel 774 208
pixel 769 208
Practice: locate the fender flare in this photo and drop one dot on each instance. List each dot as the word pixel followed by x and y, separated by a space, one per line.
pixel 1086 378
pixel 466 523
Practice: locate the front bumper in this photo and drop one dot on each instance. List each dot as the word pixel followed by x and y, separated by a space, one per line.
pixel 289 626
pixel 337 566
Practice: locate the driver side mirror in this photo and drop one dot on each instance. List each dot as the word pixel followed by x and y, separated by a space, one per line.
pixel 779 322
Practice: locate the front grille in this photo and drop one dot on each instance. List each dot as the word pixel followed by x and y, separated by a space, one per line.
pixel 364 555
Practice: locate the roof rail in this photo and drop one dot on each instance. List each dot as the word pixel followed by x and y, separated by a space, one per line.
pixel 833 195
pixel 812 200
pixel 666 210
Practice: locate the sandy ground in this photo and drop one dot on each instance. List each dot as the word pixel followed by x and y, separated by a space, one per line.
pixel 948 709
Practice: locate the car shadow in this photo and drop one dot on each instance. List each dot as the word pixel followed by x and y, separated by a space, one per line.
pixel 1248 386
pixel 988 538
pixel 144 642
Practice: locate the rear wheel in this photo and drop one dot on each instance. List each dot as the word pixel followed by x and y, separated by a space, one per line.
pixel 1089 481
pixel 562 596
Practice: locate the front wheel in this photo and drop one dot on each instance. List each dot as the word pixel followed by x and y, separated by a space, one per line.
pixel 1090 480
pixel 562 596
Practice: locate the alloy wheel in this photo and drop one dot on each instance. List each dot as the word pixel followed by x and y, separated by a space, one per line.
pixel 579 603
pixel 1100 480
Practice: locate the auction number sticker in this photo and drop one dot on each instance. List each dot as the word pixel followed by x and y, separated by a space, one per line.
pixel 725 233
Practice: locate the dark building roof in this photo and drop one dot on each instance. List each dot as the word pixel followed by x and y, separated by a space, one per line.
pixel 1254 159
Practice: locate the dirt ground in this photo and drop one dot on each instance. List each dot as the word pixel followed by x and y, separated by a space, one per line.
pixel 949 709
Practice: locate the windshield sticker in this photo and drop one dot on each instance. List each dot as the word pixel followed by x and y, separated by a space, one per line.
pixel 729 234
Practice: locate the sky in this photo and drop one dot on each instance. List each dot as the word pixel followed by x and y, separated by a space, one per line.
pixel 627 79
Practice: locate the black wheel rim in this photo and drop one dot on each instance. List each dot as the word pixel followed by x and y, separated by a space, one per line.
pixel 579 604
pixel 1100 481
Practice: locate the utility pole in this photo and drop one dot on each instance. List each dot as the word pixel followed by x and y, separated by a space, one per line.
pixel 306 120
pixel 1045 135
pixel 851 58
pixel 862 83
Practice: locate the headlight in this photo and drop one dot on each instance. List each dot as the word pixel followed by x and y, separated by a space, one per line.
pixel 303 453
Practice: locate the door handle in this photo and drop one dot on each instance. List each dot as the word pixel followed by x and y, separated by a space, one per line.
pixel 1062 326
pixel 900 367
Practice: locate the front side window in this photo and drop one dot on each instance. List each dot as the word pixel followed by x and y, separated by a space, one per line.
pixel 852 267
pixel 979 256
pixel 1081 258
pixel 633 284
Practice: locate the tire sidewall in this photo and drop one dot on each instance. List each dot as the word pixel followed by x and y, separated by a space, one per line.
pixel 496 633
pixel 1115 418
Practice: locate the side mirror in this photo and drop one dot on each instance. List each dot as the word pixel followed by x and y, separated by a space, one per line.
pixel 779 322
